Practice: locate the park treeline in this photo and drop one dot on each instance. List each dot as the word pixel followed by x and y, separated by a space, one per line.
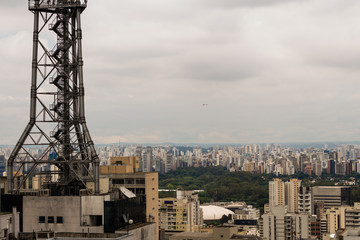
pixel 218 184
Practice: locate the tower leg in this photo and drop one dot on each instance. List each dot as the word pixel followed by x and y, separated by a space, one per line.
pixel 10 164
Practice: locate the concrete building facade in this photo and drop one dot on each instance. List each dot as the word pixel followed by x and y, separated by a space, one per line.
pixel 182 213
pixel 279 224
pixel 64 213
pixel 291 194
pixel 332 196
pixel 305 202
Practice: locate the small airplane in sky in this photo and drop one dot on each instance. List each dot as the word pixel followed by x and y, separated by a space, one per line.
pixel 205 104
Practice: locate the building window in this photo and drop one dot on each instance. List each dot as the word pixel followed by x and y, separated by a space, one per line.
pixel 118 181
pixel 140 191
pixel 140 181
pixel 95 220
pixel 129 181
pixel 50 219
pixel 41 219
pixel 59 220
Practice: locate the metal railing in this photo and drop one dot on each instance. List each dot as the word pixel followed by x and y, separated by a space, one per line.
pixel 56 3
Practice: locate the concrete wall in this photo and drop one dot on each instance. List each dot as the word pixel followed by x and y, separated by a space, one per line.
pixel 104 185
pixel 92 206
pixel 67 207
pixel 70 208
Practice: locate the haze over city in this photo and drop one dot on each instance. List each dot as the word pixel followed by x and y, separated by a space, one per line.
pixel 269 71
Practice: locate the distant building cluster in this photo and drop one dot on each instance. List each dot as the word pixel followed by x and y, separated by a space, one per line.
pixel 129 190
pixel 319 212
pixel 269 158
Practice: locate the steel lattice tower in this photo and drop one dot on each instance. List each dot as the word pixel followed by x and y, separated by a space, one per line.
pixel 67 160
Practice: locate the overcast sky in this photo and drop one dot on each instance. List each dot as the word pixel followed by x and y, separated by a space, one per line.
pixel 269 70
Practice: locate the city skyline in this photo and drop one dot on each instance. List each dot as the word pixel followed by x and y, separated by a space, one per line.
pixel 202 71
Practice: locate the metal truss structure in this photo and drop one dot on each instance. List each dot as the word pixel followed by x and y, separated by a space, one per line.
pixel 56 143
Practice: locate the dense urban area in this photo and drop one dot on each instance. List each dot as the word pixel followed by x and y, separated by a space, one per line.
pixel 247 188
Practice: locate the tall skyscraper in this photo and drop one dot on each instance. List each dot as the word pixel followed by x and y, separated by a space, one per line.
pixel 148 160
pixel 331 167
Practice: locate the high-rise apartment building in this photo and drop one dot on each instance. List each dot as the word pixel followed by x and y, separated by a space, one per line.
pixel 169 162
pixel 302 160
pixel 317 167
pixel 305 202
pixel 138 153
pixel 276 192
pixel 2 164
pixel 148 160
pixel 291 194
pixel 333 155
pixel 331 167
pixel 284 193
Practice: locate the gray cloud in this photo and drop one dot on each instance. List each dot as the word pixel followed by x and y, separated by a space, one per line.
pixel 247 3
pixel 270 70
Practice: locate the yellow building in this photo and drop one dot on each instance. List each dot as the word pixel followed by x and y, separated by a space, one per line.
pixel 173 215
pixel 120 165
pixel 121 173
pixel 182 213
pixel 276 192
pixel 291 194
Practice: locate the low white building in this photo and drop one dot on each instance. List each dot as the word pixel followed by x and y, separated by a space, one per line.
pixel 211 212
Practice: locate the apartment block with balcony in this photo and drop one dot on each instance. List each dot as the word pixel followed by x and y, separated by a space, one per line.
pixel 352 216
pixel 305 202
pixel 181 214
